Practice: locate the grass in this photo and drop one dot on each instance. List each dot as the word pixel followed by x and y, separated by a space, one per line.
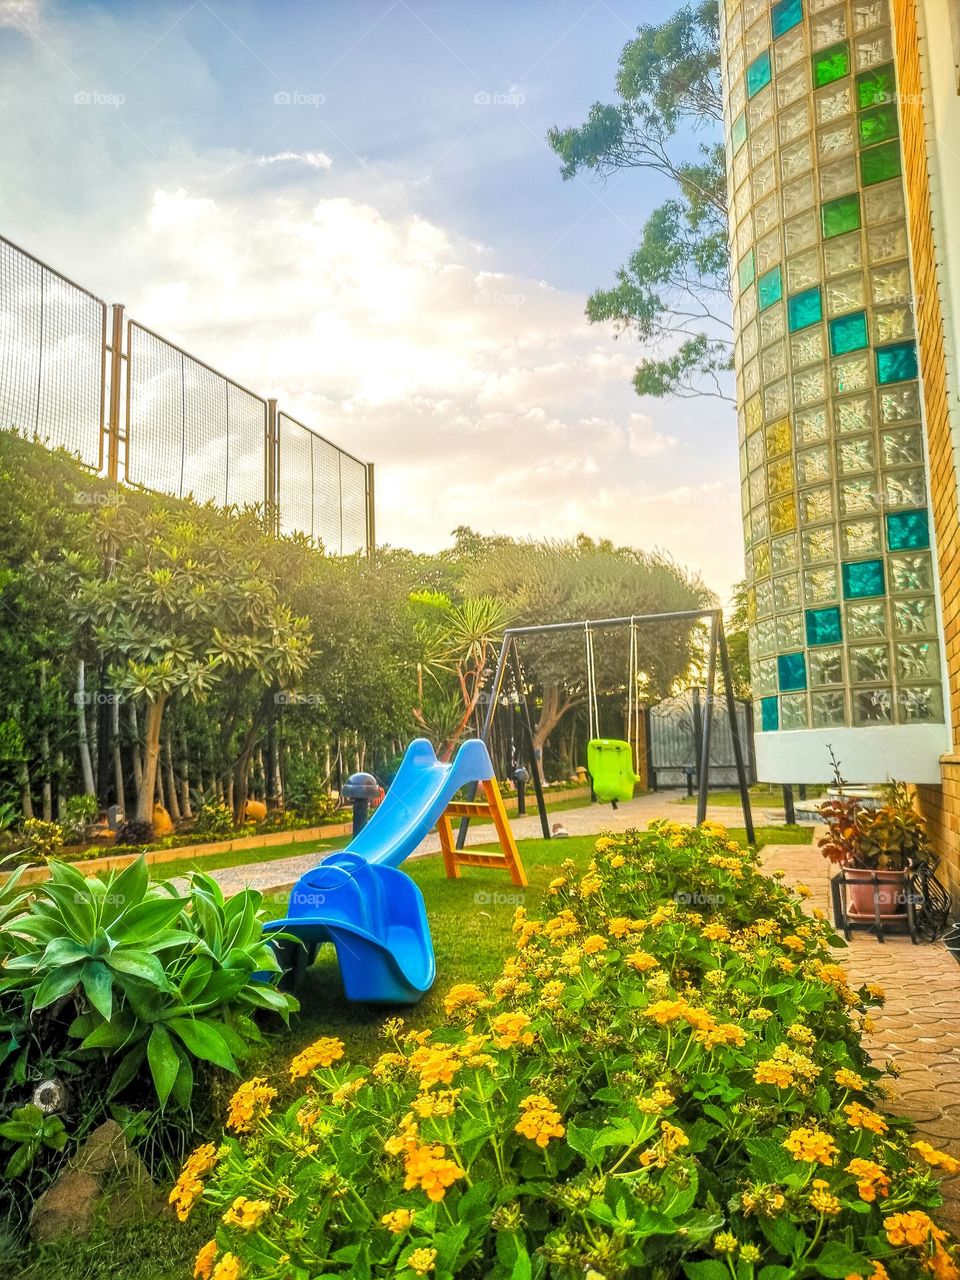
pixel 761 793
pixel 471 922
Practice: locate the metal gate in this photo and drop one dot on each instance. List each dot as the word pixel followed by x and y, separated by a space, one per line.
pixel 676 736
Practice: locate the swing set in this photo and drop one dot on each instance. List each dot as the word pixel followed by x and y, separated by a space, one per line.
pixel 611 762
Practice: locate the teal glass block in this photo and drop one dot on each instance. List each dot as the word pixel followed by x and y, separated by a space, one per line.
pixel 785 16
pixel 823 626
pixel 863 578
pixel 746 271
pixel 769 288
pixel 769 715
pixel 791 671
pixel 877 87
pixel 908 530
pixel 879 164
pixel 840 216
pixel 804 309
pixel 758 74
pixel 878 124
pixel 738 131
pixel 831 64
pixel 848 333
pixel 897 363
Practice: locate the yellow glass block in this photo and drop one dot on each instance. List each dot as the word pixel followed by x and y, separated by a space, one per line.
pixel 761 560
pixel 751 604
pixel 754 412
pixel 783 515
pixel 731 8
pixel 780 477
pixel 778 437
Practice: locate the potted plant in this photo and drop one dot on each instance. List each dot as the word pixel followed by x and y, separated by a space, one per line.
pixel 880 850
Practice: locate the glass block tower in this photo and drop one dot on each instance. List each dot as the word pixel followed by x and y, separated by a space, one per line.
pixel 843 597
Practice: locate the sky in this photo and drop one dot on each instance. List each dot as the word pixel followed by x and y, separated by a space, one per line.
pixel 351 205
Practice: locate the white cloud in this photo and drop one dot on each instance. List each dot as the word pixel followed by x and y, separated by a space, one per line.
pixel 312 159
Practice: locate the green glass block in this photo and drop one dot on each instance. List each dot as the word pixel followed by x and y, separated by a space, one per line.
pixel 908 530
pixel 897 363
pixel 804 309
pixel 831 64
pixel 738 131
pixel 769 288
pixel 840 216
pixel 791 671
pixel 823 626
pixel 863 578
pixel 758 74
pixel 878 164
pixel 747 270
pixel 877 87
pixel 848 333
pixel 879 124
pixel 785 16
pixel 769 715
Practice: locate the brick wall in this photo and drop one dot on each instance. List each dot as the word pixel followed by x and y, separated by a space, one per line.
pixel 940 805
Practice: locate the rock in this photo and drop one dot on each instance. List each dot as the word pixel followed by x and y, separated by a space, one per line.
pixel 103 1177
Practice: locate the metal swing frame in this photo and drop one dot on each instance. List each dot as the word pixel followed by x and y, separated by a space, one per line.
pixel 717 652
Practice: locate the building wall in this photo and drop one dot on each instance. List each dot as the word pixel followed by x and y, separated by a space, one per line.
pixel 930 125
pixel 845 624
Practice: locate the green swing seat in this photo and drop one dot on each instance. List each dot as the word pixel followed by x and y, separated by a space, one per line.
pixel 610 765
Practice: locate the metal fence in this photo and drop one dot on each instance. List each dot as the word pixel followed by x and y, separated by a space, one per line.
pixel 676 741
pixel 321 490
pixel 53 340
pixel 143 410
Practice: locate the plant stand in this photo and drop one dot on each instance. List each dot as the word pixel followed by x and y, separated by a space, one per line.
pixel 846 920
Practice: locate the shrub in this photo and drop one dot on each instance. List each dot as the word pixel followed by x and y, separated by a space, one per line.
pixel 78 812
pixel 130 974
pixel 214 819
pixel 134 834
pixel 43 839
pixel 666 1080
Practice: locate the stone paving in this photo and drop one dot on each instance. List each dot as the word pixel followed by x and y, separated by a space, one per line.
pixel 918 1027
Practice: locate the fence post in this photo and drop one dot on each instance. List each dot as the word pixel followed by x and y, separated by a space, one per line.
pixel 271 477
pixel 371 520
pixel 116 378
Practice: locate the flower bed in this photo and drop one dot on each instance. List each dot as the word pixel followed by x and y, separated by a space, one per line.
pixel 667 1080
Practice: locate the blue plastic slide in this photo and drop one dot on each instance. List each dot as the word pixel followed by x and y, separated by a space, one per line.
pixel 358 900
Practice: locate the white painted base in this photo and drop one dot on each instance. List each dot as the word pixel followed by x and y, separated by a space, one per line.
pixel 907 752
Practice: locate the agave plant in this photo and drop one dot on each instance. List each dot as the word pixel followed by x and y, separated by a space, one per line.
pixel 151 976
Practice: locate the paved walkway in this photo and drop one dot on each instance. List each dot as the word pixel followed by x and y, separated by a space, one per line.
pixel 918 1027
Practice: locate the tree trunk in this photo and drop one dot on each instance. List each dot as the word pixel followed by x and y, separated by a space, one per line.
pixel 26 797
pixel 47 788
pixel 119 798
pixel 553 708
pixel 86 765
pixel 173 803
pixel 61 794
pixel 153 721
pixel 135 749
pixel 185 807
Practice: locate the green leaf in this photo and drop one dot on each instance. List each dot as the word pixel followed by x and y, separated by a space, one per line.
pixel 837 1260
pixel 97 982
pixel 204 1041
pixel 142 923
pixel 709 1269
pixel 182 1090
pixel 127 890
pixel 56 984
pixel 21 1160
pixel 128 1069
pixel 164 1062
pixel 139 964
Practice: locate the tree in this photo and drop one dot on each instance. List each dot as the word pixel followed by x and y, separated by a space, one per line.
pixel 543 582
pixel 176 605
pixel 673 293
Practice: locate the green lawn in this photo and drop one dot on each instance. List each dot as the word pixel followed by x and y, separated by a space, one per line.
pixel 470 920
pixel 761 794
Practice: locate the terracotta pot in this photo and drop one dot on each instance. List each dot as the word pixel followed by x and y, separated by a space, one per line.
pixel 891 888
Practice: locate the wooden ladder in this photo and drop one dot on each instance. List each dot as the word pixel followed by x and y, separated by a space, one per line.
pixel 490 807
